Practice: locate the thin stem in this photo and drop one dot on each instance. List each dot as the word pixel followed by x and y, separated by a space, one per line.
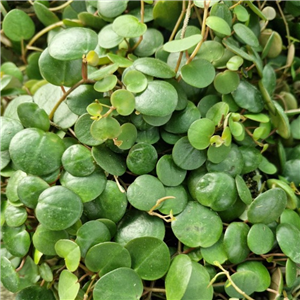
pixel 225 272
pixel 41 33
pixel 158 290
pixel 21 265
pixel 284 21
pixel 178 21
pixel 142 21
pixel 64 96
pixel 118 184
pixel 61 6
pixel 168 218
pixel 236 4
pixel 3 10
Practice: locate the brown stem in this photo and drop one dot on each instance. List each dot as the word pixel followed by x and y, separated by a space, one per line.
pixel 178 21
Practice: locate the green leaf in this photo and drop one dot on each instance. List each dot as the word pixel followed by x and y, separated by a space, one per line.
pixel 291 272
pixel 106 84
pixel 117 284
pixel 182 44
pixel 127 137
pixel 218 25
pixel 142 158
pixel 251 157
pixel 11 188
pixel 226 82
pixel 144 191
pixel 31 115
pixel 90 234
pixel 15 215
pixel 153 67
pixel 110 8
pixel 235 242
pixel 241 13
pixel 59 72
pixel 36 152
pixel 135 81
pixel 246 34
pixel 260 239
pixel 108 160
pixel 106 257
pixel 70 251
pixel 105 128
pixel 168 172
pixel 72 43
pixel 197 226
pixel 216 190
pixel 9 276
pixel 107 38
pixel 150 257
pixel 262 210
pixel 119 60
pixel 136 224
pixel 112 202
pixel 103 72
pixel 186 156
pixel 201 3
pixel 288 236
pixel 215 253
pixel 211 51
pixel 68 285
pixel 35 293
pixel 243 190
pixel 128 26
pixel 246 280
pixel 237 50
pixel 78 161
pixel 58 208
pixel 44 239
pixel 199 73
pixel 16 240
pixel 17 25
pixel 87 187
pixel 46 16
pixel 123 101
pixel 200 132
pixel 158 99
pixel 234 63
pixel 291 217
pixel 217 113
pixel 9 127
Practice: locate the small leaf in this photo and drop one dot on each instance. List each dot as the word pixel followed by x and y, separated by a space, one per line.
pixel 68 285
pixel 182 44
pixel 123 101
pixel 70 251
pixel 135 81
pixel 246 34
pixel 106 84
pixel 218 25
pixel 23 27
pixel 128 26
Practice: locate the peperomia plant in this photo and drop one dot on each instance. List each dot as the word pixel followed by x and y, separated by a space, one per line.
pixel 150 149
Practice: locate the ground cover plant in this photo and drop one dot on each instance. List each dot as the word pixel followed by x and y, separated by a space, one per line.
pixel 150 149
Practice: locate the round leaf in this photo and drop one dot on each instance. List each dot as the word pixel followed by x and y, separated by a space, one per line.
pixel 58 208
pixel 68 285
pixel 9 127
pixel 106 84
pixel 135 81
pixel 17 25
pixel 78 161
pixel 127 137
pixel 36 152
pixel 226 82
pixel 199 73
pixel 197 226
pixel 88 187
pixel 72 43
pixel 107 38
pixel 111 9
pixel 267 207
pixel 128 26
pixel 117 284
pixel 215 253
pixel 35 293
pixel 106 257
pixel 218 25
pixel 158 99
pixel 70 251
pixel 260 239
pixel 150 257
pixel 123 101
pixel 15 215
pixel 288 237
pixel 90 234
pixel 182 44
pixel 145 191
pixel 200 132
pixel 168 172
pixel 105 128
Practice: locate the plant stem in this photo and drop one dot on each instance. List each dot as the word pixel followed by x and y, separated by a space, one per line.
pixel 65 95
pixel 61 6
pixel 42 32
pixel 178 22
pixel 142 21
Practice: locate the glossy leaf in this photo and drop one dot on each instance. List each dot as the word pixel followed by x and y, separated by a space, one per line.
pixel 158 99
pixel 35 293
pixel 215 253
pixel 68 285
pixel 106 257
pixel 246 34
pixel 262 210
pixel 70 251
pixel 135 81
pixel 107 38
pixel 9 127
pixel 15 215
pixel 200 132
pixel 72 43
pixel 260 239
pixel 199 73
pixel 218 25
pixel 152 263
pixel 128 26
pixel 121 282
pixel 226 82
pixel 243 190
pixel 197 226
pixel 23 28
pixel 58 208
pixel 123 101
pixel 144 191
pixel 111 9
pixel 182 44
pixel 9 276
pixel 127 137
pixel 106 84
pixel 105 128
